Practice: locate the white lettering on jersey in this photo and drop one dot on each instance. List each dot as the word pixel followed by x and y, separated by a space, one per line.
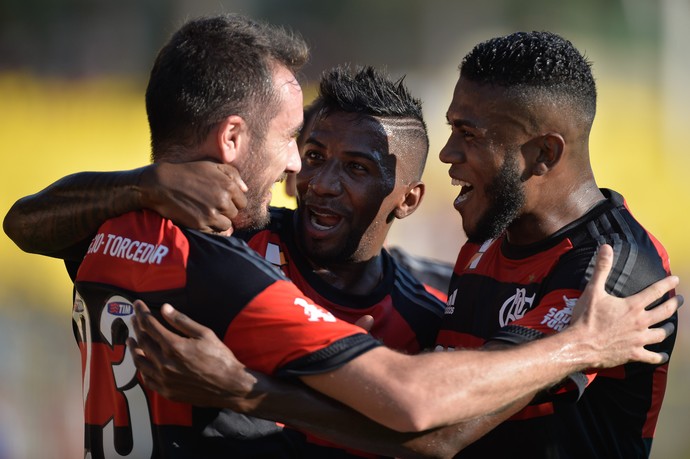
pixel 315 313
pixel 122 247
pixel 515 307
pixel 558 319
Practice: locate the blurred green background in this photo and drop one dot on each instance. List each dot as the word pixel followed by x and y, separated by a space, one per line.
pixel 72 78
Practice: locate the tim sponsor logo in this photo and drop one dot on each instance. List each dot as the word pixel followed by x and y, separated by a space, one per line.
pixel 120 308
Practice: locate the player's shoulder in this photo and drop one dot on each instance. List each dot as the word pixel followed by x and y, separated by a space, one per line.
pixel 408 289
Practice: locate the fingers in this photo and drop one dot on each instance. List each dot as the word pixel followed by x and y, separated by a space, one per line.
pixel 146 326
pixel 664 310
pixel 602 268
pixel 656 290
pixel 654 358
pixel 182 323
pixel 232 172
pixel 147 370
pixel 366 322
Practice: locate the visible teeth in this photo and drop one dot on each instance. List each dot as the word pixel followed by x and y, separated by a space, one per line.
pixel 318 225
pixel 458 182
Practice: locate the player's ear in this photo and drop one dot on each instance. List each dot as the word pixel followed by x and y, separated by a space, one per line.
pixel 549 149
pixel 411 200
pixel 232 138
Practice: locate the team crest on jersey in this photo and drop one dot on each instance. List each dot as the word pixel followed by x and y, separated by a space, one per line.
pixel 515 307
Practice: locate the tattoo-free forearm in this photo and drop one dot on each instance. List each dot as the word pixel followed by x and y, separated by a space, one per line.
pixel 302 408
pixel 70 210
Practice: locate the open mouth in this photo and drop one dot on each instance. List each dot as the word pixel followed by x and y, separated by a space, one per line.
pixel 323 220
pixel 465 192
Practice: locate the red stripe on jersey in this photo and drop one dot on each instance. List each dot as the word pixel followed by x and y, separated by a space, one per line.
pixel 164 411
pixel 457 340
pixel 443 296
pixel 389 326
pixel 131 245
pixel 104 401
pixel 658 390
pixel 552 314
pixel 494 264
pixel 281 325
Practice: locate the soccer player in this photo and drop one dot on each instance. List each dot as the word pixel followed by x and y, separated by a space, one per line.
pixel 520 120
pixel 266 320
pixel 364 147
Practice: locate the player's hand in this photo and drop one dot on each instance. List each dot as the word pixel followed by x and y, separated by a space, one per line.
pixel 201 195
pixel 618 329
pixel 366 322
pixel 196 368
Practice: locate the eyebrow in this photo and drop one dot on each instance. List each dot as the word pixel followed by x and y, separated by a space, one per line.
pixel 373 157
pixel 461 122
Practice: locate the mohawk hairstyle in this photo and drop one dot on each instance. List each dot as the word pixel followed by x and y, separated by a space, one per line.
pixel 531 62
pixel 366 91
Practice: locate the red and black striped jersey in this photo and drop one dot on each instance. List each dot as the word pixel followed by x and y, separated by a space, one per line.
pixel 218 281
pixel 516 294
pixel 406 315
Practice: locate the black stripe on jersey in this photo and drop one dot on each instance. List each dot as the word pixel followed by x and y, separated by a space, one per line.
pixel 421 310
pixel 631 258
pixel 416 292
pixel 331 357
pixel 223 276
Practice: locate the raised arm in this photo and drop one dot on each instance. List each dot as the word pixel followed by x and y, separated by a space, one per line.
pixel 57 220
pixel 414 393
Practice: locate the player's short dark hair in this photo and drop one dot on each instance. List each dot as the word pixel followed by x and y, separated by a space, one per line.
pixel 214 67
pixel 368 92
pixel 535 65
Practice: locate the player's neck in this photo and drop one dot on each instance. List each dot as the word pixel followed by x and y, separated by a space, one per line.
pixel 359 278
pixel 556 211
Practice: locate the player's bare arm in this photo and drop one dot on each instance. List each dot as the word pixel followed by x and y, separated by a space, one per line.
pixel 198 368
pixel 395 389
pixel 57 220
pixel 609 331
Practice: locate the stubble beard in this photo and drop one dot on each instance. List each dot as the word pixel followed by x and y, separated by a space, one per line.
pixel 507 197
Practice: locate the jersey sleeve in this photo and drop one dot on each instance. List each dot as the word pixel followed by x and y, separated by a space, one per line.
pixel 563 287
pixel 283 332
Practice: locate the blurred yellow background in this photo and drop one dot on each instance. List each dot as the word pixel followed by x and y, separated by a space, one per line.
pixel 54 126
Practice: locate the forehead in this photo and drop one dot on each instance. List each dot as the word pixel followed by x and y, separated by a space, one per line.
pixel 471 100
pixel 289 91
pixel 351 132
